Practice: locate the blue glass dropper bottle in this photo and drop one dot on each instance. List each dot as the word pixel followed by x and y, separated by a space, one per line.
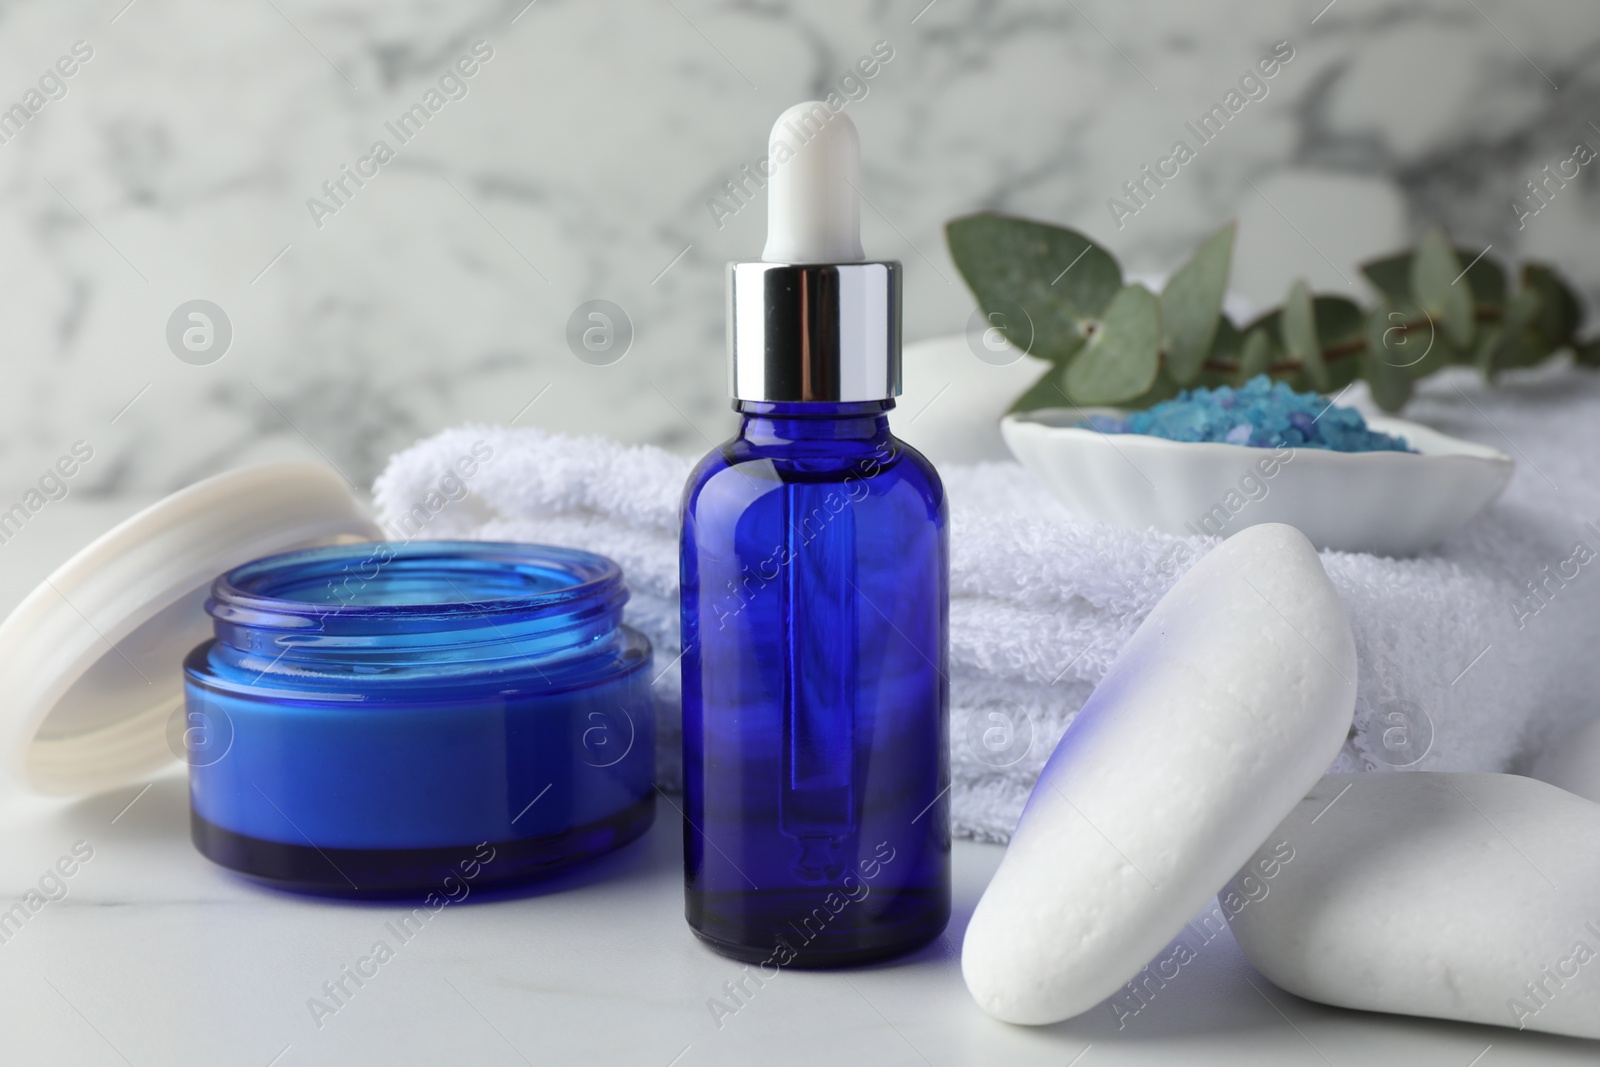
pixel 815 586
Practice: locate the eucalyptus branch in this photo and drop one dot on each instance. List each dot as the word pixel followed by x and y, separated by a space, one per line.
pixel 1057 295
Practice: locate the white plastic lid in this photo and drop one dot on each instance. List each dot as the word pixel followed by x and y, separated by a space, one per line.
pixel 91 661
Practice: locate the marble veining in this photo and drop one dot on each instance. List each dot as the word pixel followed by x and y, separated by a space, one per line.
pixel 580 161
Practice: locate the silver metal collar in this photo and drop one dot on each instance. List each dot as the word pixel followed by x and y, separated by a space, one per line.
pixel 822 332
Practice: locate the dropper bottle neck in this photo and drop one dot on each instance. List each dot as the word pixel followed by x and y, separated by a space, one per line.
pixel 767 422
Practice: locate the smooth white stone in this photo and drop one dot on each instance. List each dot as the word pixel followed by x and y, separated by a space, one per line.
pixel 1224 707
pixel 1426 893
pixel 1573 762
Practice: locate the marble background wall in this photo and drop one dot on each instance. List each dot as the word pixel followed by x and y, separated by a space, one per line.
pixel 177 160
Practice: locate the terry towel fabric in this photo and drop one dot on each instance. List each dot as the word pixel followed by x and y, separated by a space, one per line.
pixel 1471 657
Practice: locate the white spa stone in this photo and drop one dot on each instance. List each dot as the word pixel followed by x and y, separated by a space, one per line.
pixel 1457 896
pixel 1226 705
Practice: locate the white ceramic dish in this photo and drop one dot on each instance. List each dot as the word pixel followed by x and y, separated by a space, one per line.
pixel 1388 503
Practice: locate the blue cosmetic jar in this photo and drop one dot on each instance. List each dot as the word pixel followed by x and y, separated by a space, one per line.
pixel 371 718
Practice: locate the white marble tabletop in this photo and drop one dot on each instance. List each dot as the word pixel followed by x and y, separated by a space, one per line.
pixel 155 956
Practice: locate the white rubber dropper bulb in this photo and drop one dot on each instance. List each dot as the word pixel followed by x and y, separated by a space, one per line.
pixel 813 205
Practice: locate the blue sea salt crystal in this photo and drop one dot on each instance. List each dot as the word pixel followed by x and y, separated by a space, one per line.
pixel 1261 413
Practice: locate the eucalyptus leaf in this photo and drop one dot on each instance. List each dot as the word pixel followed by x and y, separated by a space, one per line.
pixel 1048 392
pixel 1417 342
pixel 1191 305
pixel 1485 277
pixel 1339 331
pixel 1341 372
pixel 1440 354
pixel 1059 277
pixel 1390 384
pixel 1225 345
pixel 1223 359
pixel 1518 341
pixel 1390 275
pixel 1340 322
pixel 1486 349
pixel 1298 324
pixel 1560 314
pixel 1436 277
pixel 1256 355
pixel 1405 337
pixel 1123 353
pixel 1341 335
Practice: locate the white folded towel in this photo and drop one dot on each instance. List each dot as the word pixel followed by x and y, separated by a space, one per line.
pixel 1041 602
